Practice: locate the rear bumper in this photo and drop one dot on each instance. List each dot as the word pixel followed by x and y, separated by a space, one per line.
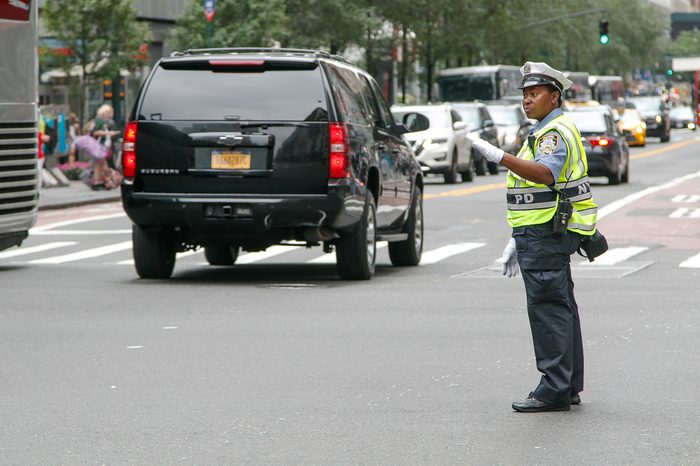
pixel 245 215
pixel 602 164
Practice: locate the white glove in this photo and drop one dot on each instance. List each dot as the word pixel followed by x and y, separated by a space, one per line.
pixel 509 261
pixel 491 152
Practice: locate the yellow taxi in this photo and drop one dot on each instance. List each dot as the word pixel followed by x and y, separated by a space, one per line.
pixel 633 127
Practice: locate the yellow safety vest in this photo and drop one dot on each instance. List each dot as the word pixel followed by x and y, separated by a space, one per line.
pixel 532 203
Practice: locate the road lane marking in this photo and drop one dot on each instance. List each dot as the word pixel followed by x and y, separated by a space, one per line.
pixel 252 257
pixel 620 203
pixel 439 254
pixel 685 212
pixel 686 198
pixel 616 255
pixel 179 255
pixel 661 150
pixel 33 249
pixel 86 254
pixel 51 226
pixel 691 262
pixel 330 258
pixel 466 191
pixel 79 232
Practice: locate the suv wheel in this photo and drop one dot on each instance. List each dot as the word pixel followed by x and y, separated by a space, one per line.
pixel 479 163
pixel 356 250
pixel 469 174
pixel 616 176
pixel 221 254
pixel 493 168
pixel 451 175
pixel 408 253
pixel 154 252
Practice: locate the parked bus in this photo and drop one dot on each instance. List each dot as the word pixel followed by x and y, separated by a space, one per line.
pixel 580 89
pixel 19 170
pixel 479 83
pixel 606 89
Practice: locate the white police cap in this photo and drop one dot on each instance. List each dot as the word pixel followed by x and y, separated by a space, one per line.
pixel 540 73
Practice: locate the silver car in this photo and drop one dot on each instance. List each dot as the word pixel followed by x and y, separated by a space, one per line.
pixel 438 136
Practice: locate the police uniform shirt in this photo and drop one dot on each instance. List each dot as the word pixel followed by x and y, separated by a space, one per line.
pixel 551 149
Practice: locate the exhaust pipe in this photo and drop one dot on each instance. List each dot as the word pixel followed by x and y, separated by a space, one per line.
pixel 316 234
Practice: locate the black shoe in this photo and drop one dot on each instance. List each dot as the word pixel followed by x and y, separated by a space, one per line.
pixel 575 399
pixel 533 405
pixel 98 187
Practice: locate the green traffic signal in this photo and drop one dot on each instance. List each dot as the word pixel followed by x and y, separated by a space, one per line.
pixel 669 72
pixel 604 39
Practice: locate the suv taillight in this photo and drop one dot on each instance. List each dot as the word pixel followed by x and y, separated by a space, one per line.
pixel 129 150
pixel 338 156
pixel 599 141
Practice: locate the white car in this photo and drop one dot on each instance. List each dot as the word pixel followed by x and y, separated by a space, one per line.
pixel 438 137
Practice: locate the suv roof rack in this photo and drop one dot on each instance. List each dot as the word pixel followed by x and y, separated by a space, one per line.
pixel 285 51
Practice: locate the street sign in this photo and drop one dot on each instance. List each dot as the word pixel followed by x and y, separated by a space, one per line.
pixel 209 9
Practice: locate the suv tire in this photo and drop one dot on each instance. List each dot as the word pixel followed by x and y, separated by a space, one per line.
pixel 221 254
pixel 408 253
pixel 451 175
pixel 356 250
pixel 615 177
pixel 154 252
pixel 469 174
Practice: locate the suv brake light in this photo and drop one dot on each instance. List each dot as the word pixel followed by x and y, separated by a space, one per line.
pixel 129 150
pixel 338 154
pixel 245 63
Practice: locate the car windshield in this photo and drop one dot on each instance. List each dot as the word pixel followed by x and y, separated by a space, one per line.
pixel 682 112
pixel 588 122
pixel 650 104
pixel 470 115
pixel 630 116
pixel 438 118
pixel 504 116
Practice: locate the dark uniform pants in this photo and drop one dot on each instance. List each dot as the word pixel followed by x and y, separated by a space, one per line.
pixel 544 260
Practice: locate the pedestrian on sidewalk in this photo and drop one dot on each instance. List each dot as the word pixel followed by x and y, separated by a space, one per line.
pixel 104 131
pixel 551 209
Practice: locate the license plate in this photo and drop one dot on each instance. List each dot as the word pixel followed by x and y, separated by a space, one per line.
pixel 230 160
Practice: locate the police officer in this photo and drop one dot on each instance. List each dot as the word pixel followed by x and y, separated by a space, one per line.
pixel 550 209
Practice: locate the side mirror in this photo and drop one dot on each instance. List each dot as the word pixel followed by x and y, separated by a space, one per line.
pixel 415 122
pixel 489 124
pixel 459 125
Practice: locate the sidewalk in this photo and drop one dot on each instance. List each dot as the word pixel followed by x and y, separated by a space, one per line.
pixel 76 194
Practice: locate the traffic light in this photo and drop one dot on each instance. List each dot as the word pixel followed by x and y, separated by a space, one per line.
pixel 669 72
pixel 603 30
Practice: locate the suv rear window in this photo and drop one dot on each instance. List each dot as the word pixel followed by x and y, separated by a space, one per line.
pixel 279 95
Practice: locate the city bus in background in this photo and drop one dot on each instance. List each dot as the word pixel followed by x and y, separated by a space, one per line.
pixel 479 83
pixel 19 169
pixel 580 89
pixel 606 89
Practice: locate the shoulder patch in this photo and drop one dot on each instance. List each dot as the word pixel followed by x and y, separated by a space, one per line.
pixel 548 144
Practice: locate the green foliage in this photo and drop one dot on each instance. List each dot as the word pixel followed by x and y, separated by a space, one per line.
pixel 237 23
pixel 97 30
pixel 687 44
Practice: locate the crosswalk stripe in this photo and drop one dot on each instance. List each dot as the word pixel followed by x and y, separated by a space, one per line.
pixel 251 257
pixel 691 262
pixel 616 255
pixel 51 226
pixel 86 254
pixel 330 258
pixel 180 255
pixel 33 249
pixel 436 255
pixel 79 232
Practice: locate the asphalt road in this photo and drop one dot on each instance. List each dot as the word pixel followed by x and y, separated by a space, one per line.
pixel 277 361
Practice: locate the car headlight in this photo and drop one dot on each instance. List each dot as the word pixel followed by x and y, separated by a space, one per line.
pixel 639 129
pixel 658 118
pixel 511 138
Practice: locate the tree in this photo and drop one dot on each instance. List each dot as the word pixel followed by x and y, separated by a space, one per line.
pixel 103 35
pixel 237 23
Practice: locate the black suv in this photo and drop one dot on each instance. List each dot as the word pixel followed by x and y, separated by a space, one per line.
pixel 241 149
